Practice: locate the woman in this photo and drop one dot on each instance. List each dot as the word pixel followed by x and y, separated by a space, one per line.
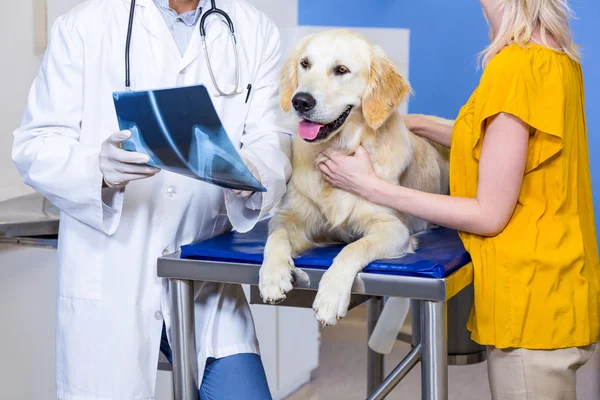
pixel 521 199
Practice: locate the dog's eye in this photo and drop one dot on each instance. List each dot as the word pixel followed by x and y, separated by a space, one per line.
pixel 304 63
pixel 341 70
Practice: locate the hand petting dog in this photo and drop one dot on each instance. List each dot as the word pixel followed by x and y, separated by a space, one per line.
pixel 352 173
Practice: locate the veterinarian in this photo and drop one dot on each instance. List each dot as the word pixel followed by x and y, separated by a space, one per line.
pixel 521 199
pixel 118 216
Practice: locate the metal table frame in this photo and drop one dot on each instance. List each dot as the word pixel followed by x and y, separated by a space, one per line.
pixel 430 294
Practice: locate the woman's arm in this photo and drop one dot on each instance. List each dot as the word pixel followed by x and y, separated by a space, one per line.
pixel 501 170
pixel 428 128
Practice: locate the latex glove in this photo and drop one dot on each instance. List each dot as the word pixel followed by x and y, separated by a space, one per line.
pixel 118 166
pixel 246 193
pixel 253 200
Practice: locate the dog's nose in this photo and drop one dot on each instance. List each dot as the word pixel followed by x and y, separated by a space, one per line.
pixel 303 102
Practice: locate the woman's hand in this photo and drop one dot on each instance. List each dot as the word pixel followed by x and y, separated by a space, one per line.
pixel 353 174
pixel 414 122
pixel 425 127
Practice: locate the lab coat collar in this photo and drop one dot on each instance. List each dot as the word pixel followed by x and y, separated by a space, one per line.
pixel 142 3
pixel 151 19
pixel 145 3
pixel 148 15
pixel 214 30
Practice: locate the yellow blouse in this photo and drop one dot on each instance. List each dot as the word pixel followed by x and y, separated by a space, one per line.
pixel 536 283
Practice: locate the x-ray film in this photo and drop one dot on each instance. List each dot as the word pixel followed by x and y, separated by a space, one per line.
pixel 179 129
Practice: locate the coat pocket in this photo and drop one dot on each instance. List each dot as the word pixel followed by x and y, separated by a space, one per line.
pixel 81 259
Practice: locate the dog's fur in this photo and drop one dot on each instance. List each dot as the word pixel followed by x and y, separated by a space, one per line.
pixel 312 212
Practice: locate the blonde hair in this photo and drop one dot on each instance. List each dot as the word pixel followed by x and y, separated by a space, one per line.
pixel 520 18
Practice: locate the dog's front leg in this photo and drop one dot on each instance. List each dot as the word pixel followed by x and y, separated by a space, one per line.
pixel 277 272
pixel 383 240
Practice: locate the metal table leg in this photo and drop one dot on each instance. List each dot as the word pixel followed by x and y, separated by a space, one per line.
pixel 434 362
pixel 394 378
pixel 182 338
pixel 415 322
pixel 374 359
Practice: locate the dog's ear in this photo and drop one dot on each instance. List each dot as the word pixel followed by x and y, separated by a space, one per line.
pixel 385 91
pixel 288 81
pixel 288 76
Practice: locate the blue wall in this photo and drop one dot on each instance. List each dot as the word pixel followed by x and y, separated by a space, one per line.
pixel 445 37
pixel 587 34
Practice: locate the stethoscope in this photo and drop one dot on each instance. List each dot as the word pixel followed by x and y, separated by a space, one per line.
pixel 213 10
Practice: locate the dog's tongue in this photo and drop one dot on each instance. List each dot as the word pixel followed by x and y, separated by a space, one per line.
pixel 308 130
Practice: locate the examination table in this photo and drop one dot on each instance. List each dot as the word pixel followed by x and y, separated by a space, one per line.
pixel 439 270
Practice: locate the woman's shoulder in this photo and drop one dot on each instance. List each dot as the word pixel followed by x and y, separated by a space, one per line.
pixel 529 66
pixel 511 56
pixel 527 61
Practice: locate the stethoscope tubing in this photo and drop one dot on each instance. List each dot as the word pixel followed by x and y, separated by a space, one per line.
pixel 213 10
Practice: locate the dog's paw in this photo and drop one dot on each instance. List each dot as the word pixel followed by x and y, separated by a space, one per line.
pixel 275 280
pixel 333 298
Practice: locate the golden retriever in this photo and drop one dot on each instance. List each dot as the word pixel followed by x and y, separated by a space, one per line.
pixel 345 92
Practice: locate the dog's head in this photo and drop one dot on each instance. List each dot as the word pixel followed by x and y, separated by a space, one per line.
pixel 335 73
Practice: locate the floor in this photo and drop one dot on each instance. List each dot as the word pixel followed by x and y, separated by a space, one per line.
pixel 342 369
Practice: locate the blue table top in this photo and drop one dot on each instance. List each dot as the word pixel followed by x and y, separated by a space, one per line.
pixel 440 253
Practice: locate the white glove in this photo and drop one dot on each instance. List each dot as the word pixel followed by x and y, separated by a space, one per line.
pixel 118 166
pixel 253 199
pixel 246 193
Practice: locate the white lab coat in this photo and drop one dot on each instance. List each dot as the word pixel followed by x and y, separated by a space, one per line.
pixel 111 305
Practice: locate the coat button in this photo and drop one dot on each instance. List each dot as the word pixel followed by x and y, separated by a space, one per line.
pixel 171 191
pixel 158 315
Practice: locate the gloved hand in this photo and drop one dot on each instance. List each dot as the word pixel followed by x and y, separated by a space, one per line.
pixel 246 193
pixel 253 200
pixel 118 166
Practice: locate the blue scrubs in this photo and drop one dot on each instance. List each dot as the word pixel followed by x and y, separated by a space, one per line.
pixel 240 376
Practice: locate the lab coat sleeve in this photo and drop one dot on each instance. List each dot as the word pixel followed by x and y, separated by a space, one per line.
pixel 266 143
pixel 46 149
